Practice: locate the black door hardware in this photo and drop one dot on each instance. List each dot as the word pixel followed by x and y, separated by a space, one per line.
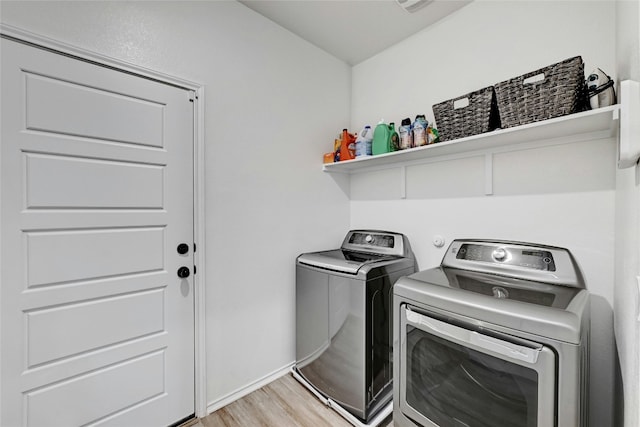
pixel 183 272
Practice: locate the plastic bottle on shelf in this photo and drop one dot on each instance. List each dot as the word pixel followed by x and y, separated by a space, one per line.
pixel 364 142
pixel 432 135
pixel 347 146
pixel 406 136
pixel 381 138
pixel 420 131
pixel 394 138
pixel 337 143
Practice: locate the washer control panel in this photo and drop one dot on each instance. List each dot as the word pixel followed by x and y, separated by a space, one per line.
pixel 516 259
pixel 375 241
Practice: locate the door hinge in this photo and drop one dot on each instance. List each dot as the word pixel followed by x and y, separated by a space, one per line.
pixel 194 247
pixel 194 270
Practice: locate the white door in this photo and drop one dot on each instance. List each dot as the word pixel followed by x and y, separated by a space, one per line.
pixel 96 193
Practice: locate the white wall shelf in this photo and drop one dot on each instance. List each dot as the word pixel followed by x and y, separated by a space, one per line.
pixel 592 124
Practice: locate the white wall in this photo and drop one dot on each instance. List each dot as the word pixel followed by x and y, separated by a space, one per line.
pixel 273 105
pixel 560 195
pixel 627 298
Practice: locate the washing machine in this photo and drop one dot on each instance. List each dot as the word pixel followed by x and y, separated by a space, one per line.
pixel 497 335
pixel 344 322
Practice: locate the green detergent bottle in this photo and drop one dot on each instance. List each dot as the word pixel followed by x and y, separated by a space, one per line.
pixel 394 138
pixel 381 139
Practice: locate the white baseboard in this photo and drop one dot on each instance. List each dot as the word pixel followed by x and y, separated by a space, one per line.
pixel 251 387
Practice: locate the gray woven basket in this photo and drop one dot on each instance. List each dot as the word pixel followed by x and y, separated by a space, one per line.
pixel 479 116
pixel 559 91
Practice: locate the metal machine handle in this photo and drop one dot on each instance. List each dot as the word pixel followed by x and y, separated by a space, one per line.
pixel 472 338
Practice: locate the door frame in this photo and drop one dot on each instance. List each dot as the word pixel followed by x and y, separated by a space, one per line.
pixel 38 41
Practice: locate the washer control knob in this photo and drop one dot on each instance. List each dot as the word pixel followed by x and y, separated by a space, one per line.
pixel 499 254
pixel 369 238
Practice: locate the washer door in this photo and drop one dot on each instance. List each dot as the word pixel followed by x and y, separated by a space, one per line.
pixel 454 375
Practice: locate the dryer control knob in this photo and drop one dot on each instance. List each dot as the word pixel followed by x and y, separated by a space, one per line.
pixel 499 254
pixel 368 238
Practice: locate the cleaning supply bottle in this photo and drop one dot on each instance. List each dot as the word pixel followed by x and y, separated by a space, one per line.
pixel 406 137
pixel 420 131
pixel 364 141
pixel 347 146
pixel 394 139
pixel 433 135
pixel 381 138
pixel 337 143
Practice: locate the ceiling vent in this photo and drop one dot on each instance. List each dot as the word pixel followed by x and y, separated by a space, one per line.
pixel 413 5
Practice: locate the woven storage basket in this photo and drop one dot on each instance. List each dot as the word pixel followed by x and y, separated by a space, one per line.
pixel 552 91
pixel 479 116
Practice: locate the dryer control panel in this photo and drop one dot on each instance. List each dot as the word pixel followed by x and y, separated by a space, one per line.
pixel 542 263
pixel 538 259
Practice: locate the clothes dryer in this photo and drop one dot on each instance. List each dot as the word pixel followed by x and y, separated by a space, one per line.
pixel 497 335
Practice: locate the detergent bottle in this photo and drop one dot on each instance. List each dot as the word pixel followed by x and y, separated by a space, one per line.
pixel 406 137
pixel 337 143
pixel 364 141
pixel 394 139
pixel 381 139
pixel 420 131
pixel 347 146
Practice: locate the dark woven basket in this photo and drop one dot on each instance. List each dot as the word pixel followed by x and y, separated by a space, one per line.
pixel 481 115
pixel 560 92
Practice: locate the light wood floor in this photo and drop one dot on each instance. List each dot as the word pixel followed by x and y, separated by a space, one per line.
pixel 282 403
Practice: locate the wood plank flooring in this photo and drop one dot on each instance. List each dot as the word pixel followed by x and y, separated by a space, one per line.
pixel 282 403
